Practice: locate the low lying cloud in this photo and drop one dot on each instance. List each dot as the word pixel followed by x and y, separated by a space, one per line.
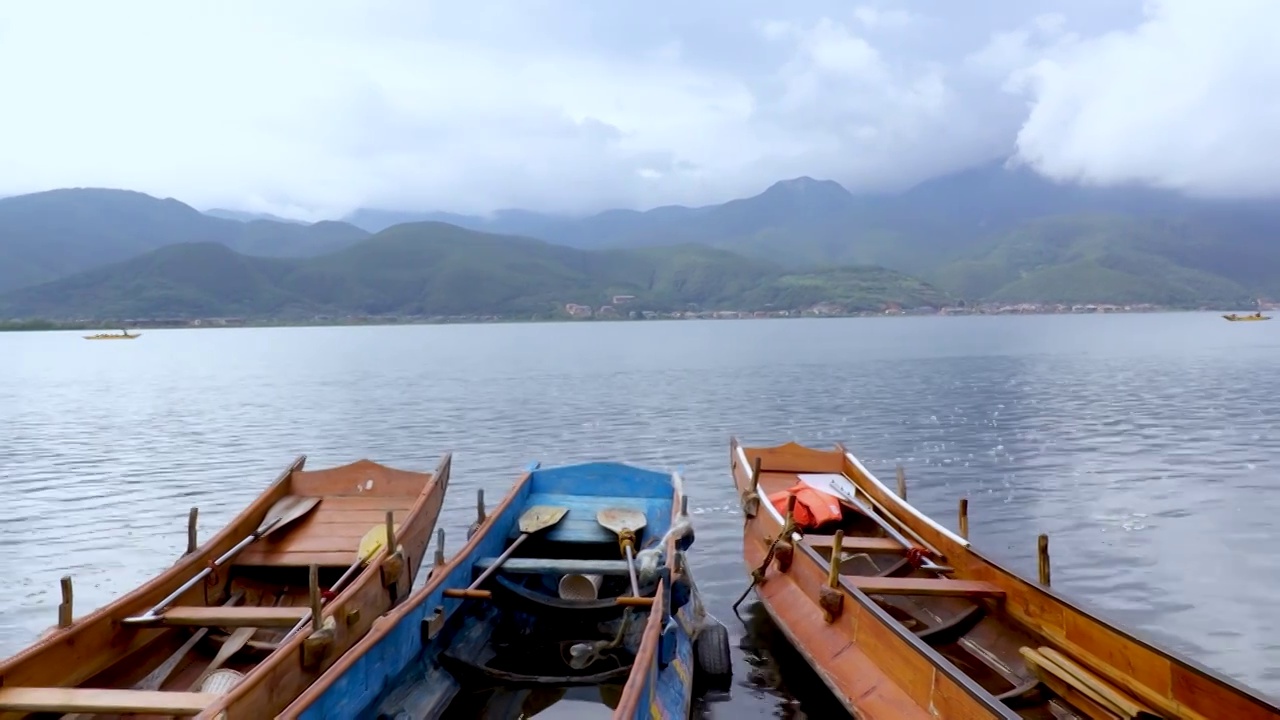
pixel 1187 100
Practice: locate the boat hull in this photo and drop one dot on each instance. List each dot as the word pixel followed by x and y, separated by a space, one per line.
pixel 878 667
pixel 270 575
pixel 1246 318
pixel 398 666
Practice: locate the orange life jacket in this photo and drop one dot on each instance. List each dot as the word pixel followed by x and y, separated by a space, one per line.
pixel 814 508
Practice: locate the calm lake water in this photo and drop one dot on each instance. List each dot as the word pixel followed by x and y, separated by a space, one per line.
pixel 1147 446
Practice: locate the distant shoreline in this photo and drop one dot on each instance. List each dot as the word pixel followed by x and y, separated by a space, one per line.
pixel 223 323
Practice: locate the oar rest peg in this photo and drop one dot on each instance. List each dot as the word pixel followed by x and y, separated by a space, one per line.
pixel 830 596
pixel 750 499
pixel 392 567
pixel 65 615
pixel 784 551
pixel 323 629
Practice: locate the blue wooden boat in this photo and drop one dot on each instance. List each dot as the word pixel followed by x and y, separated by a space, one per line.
pixel 517 622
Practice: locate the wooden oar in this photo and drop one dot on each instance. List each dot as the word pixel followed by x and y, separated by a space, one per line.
pixel 624 522
pixel 285 511
pixel 238 639
pixel 231 646
pixel 156 678
pixel 370 544
pixel 535 519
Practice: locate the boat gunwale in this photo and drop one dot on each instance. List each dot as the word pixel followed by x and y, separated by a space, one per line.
pixel 646 656
pixel 941 665
pixel 629 700
pixel 433 491
pixel 382 626
pixel 145 594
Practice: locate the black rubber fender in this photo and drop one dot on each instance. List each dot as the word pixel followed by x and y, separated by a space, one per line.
pixel 713 666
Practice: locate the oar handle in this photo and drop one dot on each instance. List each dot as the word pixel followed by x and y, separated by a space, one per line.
pixel 498 563
pixel 346 576
pixel 151 615
pixel 631 569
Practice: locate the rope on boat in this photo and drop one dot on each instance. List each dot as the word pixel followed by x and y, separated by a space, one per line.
pixel 916 557
pixel 757 575
pixel 583 655
pixel 649 560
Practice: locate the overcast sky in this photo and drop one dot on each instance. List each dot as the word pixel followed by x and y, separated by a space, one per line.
pixel 313 107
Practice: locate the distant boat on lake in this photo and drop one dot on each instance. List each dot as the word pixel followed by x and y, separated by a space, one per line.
pixel 122 335
pixel 1232 317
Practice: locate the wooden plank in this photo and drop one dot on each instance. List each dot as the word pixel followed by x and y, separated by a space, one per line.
pixel 99 700
pixel 923 586
pixel 340 525
pixel 364 478
pixel 1076 690
pixel 580 526
pixel 296 559
pixel 345 503
pixel 233 616
pixel 857 544
pixel 339 516
pixel 537 566
pixel 603 480
pixel 315 542
pixel 1076 675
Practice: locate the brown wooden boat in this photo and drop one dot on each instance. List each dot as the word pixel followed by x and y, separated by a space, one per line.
pixel 226 632
pixel 911 622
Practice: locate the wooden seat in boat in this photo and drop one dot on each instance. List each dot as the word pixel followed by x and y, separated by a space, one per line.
pixel 857 544
pixel 232 616
pixel 102 700
pixel 539 566
pixel 877 585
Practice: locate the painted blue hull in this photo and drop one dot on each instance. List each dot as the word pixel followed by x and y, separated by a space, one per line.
pixel 418 658
pixel 668 690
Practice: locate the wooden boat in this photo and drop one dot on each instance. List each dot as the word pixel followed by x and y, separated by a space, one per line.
pixel 909 621
pixel 122 335
pixel 1232 317
pixel 496 631
pixel 226 631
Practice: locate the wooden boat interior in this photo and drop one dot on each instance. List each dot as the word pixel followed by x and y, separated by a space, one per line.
pixel 506 646
pixel 1030 652
pixel 151 652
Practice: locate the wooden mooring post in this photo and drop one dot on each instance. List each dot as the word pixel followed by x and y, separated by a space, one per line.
pixel 1042 552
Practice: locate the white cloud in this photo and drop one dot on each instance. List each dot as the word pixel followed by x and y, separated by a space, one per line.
pixel 315 107
pixel 1188 100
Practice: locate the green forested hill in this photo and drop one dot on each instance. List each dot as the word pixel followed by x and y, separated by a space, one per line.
pixel 1108 258
pixel 439 269
pixel 49 235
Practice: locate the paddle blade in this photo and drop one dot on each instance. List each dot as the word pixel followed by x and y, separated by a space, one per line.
pixel 372 542
pixel 287 509
pixel 540 517
pixel 620 519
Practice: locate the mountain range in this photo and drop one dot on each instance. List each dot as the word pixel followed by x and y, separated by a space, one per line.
pixel 436 269
pixel 986 234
